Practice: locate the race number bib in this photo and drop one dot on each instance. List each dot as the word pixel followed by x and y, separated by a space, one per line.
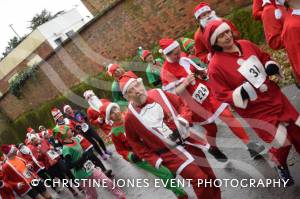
pixel 253 70
pixel 88 166
pixel 52 154
pixel 27 174
pixel 80 137
pixel 84 127
pixel 201 93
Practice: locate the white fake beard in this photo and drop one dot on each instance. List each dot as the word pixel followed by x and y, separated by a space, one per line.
pixel 95 103
pixel 212 16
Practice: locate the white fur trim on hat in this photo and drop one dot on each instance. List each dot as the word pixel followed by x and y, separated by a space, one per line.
pixel 87 93
pixel 171 47
pixel 66 107
pixel 125 88
pixel 108 110
pixel 201 11
pixel 219 30
pixel 109 66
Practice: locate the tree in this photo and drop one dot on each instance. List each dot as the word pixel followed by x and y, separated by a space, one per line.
pixel 40 18
pixel 14 42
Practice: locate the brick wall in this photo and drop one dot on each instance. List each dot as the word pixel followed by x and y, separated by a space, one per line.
pixel 113 36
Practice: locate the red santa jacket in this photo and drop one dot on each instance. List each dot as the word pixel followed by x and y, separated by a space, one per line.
pixel 119 139
pixel 49 159
pixel 148 142
pixel 273 25
pixel 257 9
pixel 93 116
pixel 6 191
pixel 14 176
pixel 268 105
pixel 197 96
pixel 36 164
pixel 290 39
pixel 200 48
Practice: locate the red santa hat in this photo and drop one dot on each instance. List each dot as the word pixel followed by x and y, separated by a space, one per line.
pixel 213 30
pixel 106 109
pixel 111 69
pixel 66 107
pixel 7 149
pixel 126 79
pixel 167 45
pixel 30 130
pixel 201 8
pixel 143 53
pixel 88 93
pixel 56 113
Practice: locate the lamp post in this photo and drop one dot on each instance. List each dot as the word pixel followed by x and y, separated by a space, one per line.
pixel 10 25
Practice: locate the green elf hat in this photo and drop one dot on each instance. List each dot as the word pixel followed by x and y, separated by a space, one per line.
pixel 186 43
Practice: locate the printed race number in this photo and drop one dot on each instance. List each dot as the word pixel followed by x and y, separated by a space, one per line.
pixel 52 154
pixel 201 93
pixel 253 70
pixel 88 166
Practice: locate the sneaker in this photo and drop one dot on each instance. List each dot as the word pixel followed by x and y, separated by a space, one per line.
pixel 284 174
pixel 104 157
pixel 108 173
pixel 255 150
pixel 219 155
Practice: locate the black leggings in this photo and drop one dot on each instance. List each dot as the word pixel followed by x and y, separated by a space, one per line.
pixel 95 159
pixel 92 136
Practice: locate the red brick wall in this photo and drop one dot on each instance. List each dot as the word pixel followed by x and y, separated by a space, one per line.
pixel 115 35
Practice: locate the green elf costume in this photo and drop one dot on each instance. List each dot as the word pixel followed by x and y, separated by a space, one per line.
pixel 187 45
pixel 117 95
pixel 153 67
pixel 124 149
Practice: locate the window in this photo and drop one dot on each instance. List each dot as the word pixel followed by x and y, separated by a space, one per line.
pixel 70 33
pixel 58 41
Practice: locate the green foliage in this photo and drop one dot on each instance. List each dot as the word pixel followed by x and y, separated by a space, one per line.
pixel 42 114
pixel 250 29
pixel 16 84
pixel 14 42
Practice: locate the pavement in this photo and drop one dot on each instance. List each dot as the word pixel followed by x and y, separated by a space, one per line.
pixel 241 166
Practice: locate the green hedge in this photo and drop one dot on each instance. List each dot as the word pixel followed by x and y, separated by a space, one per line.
pixel 249 28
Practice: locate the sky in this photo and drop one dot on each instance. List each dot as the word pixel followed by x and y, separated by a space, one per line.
pixel 20 12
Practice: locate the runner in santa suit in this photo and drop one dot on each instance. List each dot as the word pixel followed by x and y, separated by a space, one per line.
pixel 239 73
pixel 93 111
pixel 181 76
pixel 273 16
pixel 290 38
pixel 113 115
pixel 19 176
pixel 6 190
pixel 157 128
pixel 84 128
pixel 203 14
